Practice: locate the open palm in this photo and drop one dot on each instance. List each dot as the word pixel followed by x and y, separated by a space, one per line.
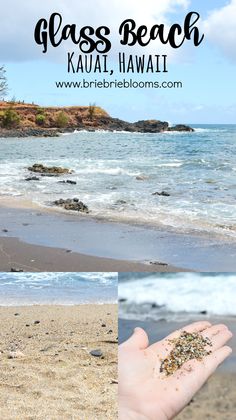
pixel 147 394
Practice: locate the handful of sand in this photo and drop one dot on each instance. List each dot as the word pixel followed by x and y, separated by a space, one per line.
pixel 187 346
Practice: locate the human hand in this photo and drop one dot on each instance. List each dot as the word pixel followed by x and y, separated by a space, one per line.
pixel 147 394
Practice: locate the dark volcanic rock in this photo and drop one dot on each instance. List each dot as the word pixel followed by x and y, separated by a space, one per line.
pixel 53 170
pixel 68 182
pixel 29 132
pixel 16 270
pixel 150 126
pixel 163 194
pixel 158 263
pixel 120 202
pixel 32 178
pixel 181 127
pixel 98 123
pixel 72 204
pixel 144 126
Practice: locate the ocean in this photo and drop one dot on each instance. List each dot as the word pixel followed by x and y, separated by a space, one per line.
pixel 118 173
pixel 177 296
pixel 57 288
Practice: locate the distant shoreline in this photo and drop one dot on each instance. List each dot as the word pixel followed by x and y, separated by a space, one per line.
pixel 29 120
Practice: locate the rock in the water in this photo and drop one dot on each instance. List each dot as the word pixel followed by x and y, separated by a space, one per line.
pixel 150 126
pixel 32 178
pixel 5 230
pixel 72 204
pixel 162 194
pixel 120 202
pixel 158 263
pixel 51 170
pixel 16 270
pixel 155 306
pixel 68 181
pixel 141 177
pixel 181 127
pixel 96 353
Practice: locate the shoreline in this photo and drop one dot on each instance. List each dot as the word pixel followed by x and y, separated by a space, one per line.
pixel 46 366
pixel 147 249
pixel 15 202
pixel 18 255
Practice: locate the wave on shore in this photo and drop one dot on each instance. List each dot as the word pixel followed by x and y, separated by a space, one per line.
pixel 171 296
pixel 57 288
pixel 121 182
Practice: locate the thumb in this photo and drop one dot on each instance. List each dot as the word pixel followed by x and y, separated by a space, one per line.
pixel 138 340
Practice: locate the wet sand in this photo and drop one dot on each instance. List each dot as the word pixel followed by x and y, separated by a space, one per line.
pixel 17 255
pixel 217 399
pixel 47 371
pixel 85 235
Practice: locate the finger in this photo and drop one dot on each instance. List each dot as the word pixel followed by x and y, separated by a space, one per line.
pixel 218 335
pixel 138 340
pixel 216 358
pixel 164 346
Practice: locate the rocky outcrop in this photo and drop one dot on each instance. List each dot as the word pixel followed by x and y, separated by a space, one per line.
pixel 28 132
pixel 181 127
pixel 49 170
pixel 143 126
pixel 150 126
pixel 76 118
pixel 73 204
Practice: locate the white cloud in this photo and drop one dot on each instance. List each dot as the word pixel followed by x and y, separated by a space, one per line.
pixel 220 29
pixel 19 18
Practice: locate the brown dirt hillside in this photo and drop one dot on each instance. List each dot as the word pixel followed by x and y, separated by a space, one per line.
pixel 34 116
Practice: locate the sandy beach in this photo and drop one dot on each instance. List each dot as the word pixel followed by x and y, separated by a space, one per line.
pixel 216 400
pixel 46 367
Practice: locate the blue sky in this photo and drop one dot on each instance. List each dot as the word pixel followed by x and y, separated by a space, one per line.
pixel 207 72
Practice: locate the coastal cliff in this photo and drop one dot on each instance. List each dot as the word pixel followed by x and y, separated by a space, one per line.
pixel 23 120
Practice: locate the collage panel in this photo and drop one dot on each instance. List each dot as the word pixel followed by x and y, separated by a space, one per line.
pixel 177 346
pixel 58 346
